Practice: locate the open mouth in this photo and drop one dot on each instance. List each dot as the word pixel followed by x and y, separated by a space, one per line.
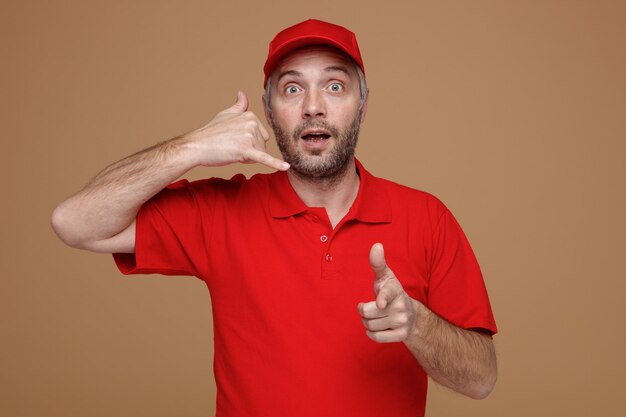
pixel 315 136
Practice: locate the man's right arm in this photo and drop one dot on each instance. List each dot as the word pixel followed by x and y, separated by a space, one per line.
pixel 101 216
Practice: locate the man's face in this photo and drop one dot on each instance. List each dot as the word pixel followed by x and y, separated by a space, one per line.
pixel 315 100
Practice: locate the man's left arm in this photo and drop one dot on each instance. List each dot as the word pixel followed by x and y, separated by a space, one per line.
pixel 460 359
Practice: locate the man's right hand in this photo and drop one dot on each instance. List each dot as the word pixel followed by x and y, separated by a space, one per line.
pixel 234 135
pixel 101 217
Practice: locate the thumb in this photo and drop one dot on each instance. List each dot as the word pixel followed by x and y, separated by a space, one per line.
pixel 377 261
pixel 241 105
pixel 385 288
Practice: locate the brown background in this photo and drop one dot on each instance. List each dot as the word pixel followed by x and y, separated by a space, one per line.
pixel 513 113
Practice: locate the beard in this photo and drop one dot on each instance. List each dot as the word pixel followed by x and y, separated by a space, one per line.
pixel 317 165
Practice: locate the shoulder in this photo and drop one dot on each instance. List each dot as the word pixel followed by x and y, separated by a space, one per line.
pixel 185 198
pixel 233 194
pixel 397 192
pixel 402 197
pixel 405 191
pixel 236 184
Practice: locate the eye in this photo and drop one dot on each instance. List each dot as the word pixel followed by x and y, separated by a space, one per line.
pixel 336 87
pixel 291 89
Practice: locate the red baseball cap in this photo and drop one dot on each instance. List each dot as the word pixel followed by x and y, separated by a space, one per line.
pixel 307 33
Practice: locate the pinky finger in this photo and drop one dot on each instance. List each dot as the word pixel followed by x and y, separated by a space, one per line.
pixel 266 159
pixel 387 336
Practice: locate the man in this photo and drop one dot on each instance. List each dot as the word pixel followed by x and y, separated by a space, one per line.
pixel 290 257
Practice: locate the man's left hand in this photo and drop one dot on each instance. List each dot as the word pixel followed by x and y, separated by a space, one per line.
pixel 391 317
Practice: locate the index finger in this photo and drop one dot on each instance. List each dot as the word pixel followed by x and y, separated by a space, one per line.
pixel 388 293
pixel 264 132
pixel 371 311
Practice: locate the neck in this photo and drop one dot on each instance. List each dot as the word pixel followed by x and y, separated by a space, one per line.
pixel 336 194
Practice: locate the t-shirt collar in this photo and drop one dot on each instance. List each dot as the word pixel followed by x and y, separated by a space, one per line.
pixel 370 206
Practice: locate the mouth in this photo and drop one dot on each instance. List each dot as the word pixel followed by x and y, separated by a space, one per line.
pixel 315 135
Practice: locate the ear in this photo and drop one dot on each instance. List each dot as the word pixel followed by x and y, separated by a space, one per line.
pixel 266 111
pixel 364 108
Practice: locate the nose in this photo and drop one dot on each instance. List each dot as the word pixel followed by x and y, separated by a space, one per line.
pixel 314 105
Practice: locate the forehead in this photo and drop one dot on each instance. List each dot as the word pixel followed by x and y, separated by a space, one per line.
pixel 315 58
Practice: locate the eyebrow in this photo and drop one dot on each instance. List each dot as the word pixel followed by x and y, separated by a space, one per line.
pixel 298 73
pixel 290 72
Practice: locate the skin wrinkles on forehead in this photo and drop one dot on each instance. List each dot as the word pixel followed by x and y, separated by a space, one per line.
pixel 298 74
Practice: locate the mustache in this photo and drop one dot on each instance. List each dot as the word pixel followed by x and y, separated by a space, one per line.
pixel 315 124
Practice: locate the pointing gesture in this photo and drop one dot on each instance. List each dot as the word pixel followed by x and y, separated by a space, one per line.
pixel 390 318
pixel 234 135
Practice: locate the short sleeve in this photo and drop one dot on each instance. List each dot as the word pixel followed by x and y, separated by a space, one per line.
pixel 457 290
pixel 171 233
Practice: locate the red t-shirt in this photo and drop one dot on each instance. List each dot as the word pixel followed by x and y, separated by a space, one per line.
pixel 285 287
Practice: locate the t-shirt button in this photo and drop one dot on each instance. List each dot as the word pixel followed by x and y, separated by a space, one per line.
pixel 329 257
pixel 315 218
pixel 323 238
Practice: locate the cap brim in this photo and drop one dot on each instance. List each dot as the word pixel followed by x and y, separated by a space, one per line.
pixel 296 43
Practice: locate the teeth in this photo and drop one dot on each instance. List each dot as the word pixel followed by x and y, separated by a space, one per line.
pixel 316 136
